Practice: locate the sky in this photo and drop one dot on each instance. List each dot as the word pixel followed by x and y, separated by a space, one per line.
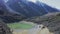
pixel 52 3
pixel 5 0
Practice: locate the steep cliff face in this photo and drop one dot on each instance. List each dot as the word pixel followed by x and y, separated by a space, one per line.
pixel 7 15
pixel 51 20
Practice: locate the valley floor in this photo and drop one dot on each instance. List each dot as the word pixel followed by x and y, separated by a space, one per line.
pixel 32 31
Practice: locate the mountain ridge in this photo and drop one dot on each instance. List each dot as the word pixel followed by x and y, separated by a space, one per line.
pixel 7 16
pixel 30 9
pixel 51 21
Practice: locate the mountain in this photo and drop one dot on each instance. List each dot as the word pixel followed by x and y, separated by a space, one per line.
pixel 50 20
pixel 8 15
pixel 47 7
pixel 17 10
pixel 4 29
pixel 30 9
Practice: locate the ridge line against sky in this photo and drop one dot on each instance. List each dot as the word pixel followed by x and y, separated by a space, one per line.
pixel 52 3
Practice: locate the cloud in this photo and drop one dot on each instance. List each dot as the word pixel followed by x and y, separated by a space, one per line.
pixel 5 0
pixel 52 3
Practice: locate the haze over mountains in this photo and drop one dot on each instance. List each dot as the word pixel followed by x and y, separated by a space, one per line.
pixel 17 9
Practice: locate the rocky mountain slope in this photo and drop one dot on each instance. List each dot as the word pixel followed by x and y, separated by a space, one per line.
pixel 4 29
pixel 30 9
pixel 51 21
pixel 17 10
pixel 7 15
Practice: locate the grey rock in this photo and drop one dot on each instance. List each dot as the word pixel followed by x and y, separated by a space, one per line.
pixel 4 29
pixel 51 21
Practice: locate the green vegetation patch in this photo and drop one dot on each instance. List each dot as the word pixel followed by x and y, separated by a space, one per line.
pixel 20 26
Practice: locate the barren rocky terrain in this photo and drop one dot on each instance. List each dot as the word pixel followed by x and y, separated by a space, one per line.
pixel 51 21
pixel 4 29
